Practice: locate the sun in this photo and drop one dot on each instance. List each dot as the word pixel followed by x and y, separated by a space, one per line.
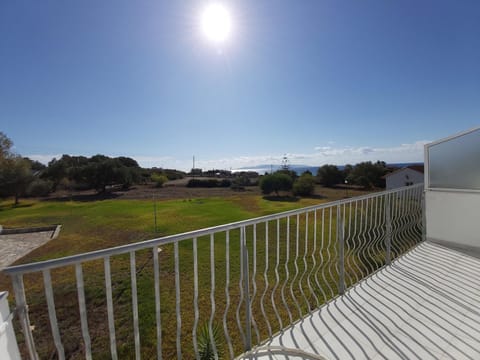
pixel 216 23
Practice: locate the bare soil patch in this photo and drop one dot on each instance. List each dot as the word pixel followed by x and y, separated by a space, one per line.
pixel 177 189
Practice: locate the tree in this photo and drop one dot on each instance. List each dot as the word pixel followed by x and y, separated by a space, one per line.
pixel 35 165
pixel 329 175
pixel 15 175
pixel 368 174
pixel 5 146
pixel 128 162
pixel 276 182
pixel 291 173
pixel 15 172
pixel 304 185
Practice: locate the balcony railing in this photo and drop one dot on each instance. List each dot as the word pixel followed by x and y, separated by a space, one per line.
pixel 218 291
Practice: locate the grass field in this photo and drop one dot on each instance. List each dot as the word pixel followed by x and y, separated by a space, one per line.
pixel 88 226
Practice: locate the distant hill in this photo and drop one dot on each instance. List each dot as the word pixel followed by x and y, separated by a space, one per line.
pixel 299 169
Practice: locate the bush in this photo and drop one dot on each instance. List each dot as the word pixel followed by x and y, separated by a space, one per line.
pixel 225 183
pixel 304 185
pixel 159 179
pixel 208 183
pixel 39 187
pixel 241 181
pixel 329 175
pixel 276 182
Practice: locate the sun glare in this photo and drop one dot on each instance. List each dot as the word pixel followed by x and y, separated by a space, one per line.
pixel 216 23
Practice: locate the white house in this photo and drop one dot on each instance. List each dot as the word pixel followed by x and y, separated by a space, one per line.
pixel 406 176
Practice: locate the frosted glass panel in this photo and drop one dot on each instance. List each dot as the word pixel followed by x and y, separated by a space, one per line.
pixel 455 163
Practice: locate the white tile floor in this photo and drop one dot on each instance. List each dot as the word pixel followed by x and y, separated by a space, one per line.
pixel 425 306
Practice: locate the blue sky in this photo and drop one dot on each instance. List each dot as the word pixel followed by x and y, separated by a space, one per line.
pixel 328 81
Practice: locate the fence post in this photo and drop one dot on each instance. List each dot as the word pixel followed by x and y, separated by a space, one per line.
pixel 341 252
pixel 246 284
pixel 388 234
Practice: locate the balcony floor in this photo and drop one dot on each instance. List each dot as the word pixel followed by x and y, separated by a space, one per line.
pixel 425 306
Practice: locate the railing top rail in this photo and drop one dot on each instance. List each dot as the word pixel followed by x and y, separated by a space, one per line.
pixel 123 249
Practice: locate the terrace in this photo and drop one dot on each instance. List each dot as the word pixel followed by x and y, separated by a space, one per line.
pixel 388 275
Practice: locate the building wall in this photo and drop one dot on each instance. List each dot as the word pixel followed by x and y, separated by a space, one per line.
pixel 452 217
pixel 399 178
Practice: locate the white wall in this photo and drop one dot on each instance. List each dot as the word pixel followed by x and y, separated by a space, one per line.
pixel 398 178
pixel 8 342
pixel 453 217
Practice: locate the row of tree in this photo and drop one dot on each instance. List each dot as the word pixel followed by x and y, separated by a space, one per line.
pixel 20 176
pixel 285 180
pixel 365 174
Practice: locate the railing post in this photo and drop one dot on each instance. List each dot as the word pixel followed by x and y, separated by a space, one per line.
pixel 341 252
pixel 22 310
pixel 388 233
pixel 8 342
pixel 424 216
pixel 246 284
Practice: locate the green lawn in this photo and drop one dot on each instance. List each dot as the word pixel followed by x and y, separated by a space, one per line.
pixel 88 226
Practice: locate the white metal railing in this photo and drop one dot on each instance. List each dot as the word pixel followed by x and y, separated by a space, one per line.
pixel 216 292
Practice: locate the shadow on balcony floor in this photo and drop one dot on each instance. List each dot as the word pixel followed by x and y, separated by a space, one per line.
pixel 425 306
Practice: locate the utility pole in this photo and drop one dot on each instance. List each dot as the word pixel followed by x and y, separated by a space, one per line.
pixel 193 168
pixel 155 211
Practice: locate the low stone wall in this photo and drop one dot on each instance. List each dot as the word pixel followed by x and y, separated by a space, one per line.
pixel 54 228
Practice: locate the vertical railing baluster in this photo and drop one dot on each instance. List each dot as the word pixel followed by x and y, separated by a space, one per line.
pixel 83 311
pixel 158 318
pixel 133 276
pixel 265 276
pixel 177 302
pixel 254 282
pixel 305 267
pixel 227 294
pixel 324 276
pixel 195 298
pixel 277 277
pixel 110 315
pixel 248 309
pixel 331 257
pixel 47 281
pixel 388 232
pixel 241 287
pixel 297 234
pixel 212 294
pixel 314 261
pixel 287 273
pixel 341 252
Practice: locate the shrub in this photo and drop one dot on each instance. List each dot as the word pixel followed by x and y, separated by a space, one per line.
pixel 159 179
pixel 329 175
pixel 241 180
pixel 304 185
pixel 225 183
pixel 275 182
pixel 39 187
pixel 208 183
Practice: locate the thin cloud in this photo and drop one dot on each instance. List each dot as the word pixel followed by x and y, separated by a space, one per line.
pixel 321 155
